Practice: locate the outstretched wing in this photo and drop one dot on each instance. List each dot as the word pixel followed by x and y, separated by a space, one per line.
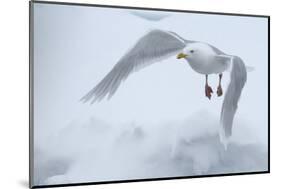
pixel 156 45
pixel 238 77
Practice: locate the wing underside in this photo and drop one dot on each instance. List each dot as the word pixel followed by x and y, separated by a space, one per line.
pixel 153 47
pixel 238 77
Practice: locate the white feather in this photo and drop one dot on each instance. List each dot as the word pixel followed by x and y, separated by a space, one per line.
pixel 153 47
pixel 238 77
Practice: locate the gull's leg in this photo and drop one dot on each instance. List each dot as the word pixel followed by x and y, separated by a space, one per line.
pixel 219 90
pixel 208 89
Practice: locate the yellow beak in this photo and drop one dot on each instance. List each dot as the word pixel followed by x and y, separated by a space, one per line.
pixel 181 55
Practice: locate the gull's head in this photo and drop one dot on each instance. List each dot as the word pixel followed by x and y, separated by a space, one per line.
pixel 198 51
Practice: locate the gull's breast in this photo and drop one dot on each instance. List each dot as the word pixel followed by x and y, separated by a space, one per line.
pixel 207 66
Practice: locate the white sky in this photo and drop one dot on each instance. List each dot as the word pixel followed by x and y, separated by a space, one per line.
pixel 75 47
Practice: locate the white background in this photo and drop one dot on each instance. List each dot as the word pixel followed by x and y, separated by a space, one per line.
pixel 14 92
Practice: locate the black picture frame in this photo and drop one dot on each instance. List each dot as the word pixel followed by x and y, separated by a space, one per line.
pixel 31 99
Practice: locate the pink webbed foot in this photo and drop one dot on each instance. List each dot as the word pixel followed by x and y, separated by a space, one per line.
pixel 219 91
pixel 208 92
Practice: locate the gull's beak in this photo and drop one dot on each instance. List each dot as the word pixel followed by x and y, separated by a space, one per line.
pixel 181 55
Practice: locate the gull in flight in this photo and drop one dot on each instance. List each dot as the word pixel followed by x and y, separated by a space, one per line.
pixel 150 16
pixel 203 58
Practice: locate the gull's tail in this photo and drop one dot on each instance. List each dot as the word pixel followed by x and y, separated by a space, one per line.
pixel 250 68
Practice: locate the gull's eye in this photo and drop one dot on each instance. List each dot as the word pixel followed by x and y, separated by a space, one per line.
pixel 192 51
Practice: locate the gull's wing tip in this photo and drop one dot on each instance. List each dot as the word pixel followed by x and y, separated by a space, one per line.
pixel 223 138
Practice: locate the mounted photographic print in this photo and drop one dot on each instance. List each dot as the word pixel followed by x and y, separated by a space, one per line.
pixel 122 94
